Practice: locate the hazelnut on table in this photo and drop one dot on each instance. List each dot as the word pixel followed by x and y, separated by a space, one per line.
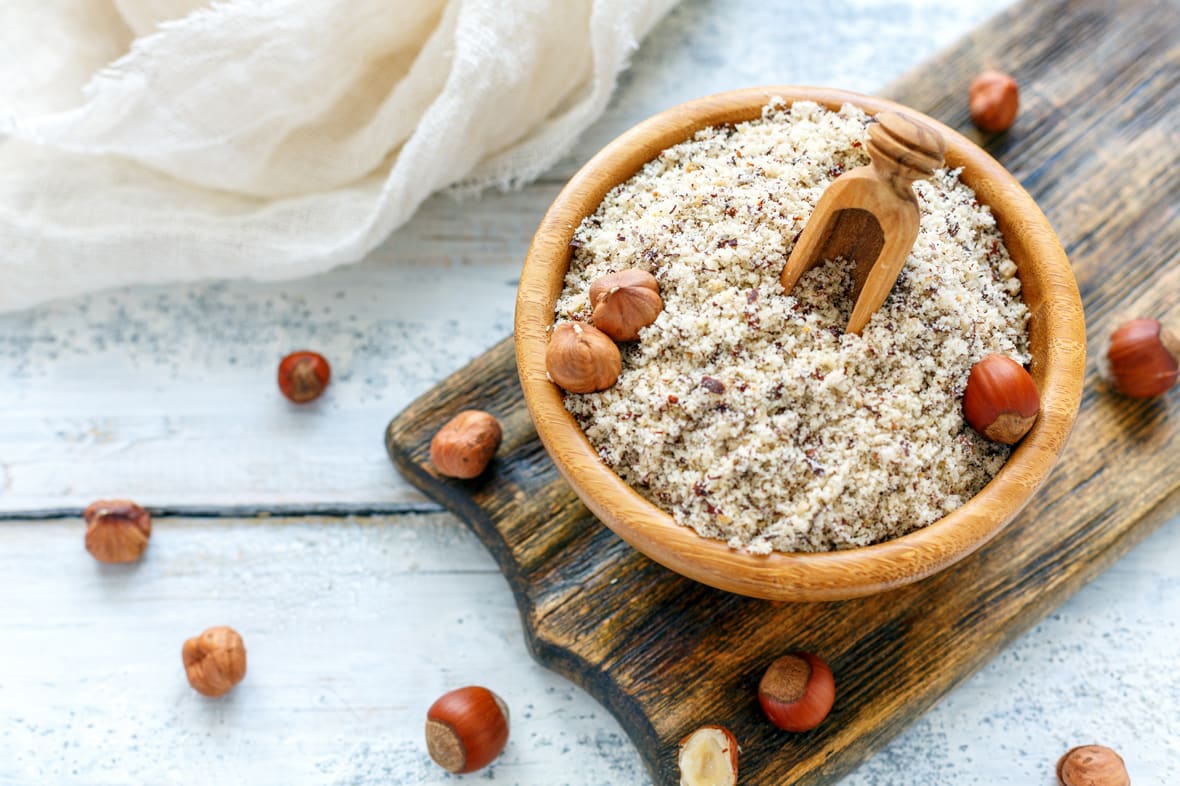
pixel 1092 765
pixel 797 692
pixel 117 530
pixel 303 376
pixel 215 661
pixel 466 729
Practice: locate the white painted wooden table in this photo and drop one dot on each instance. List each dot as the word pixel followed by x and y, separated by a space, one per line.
pixel 355 623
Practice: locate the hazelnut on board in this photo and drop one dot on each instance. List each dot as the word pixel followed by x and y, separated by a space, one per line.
pixel 797 692
pixel 117 530
pixel 215 661
pixel 1141 359
pixel 1092 765
pixel 993 98
pixel 624 302
pixel 582 359
pixel 708 757
pixel 465 445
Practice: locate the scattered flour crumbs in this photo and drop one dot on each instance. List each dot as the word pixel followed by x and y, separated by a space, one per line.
pixel 750 415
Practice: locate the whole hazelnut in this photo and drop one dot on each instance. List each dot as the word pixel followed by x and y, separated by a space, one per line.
pixel 465 445
pixel 994 99
pixel 797 692
pixel 215 661
pixel 1141 359
pixel 117 530
pixel 708 757
pixel 1092 765
pixel 1001 401
pixel 582 359
pixel 624 302
pixel 466 729
pixel 303 376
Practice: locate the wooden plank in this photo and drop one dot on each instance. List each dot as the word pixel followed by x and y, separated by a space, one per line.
pixel 1096 146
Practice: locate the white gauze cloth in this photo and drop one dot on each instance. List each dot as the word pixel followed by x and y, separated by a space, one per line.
pixel 150 141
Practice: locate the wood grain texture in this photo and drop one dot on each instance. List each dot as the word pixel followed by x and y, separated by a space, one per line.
pixel 1095 144
pixel 1056 338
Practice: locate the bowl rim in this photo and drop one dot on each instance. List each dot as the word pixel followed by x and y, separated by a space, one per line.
pixel 1056 327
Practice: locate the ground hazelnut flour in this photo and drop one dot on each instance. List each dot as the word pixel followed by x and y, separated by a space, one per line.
pixel 749 414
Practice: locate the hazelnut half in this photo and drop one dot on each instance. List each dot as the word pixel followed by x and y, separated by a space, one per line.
pixel 1142 359
pixel 117 530
pixel 993 99
pixel 465 445
pixel 582 359
pixel 708 757
pixel 624 302
pixel 303 376
pixel 1001 401
pixel 466 729
pixel 797 692
pixel 215 661
pixel 1092 765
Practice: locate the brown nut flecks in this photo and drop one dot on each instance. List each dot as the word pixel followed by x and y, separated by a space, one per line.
pixel 582 359
pixel 1092 765
pixel 464 447
pixel 215 661
pixel 797 692
pixel 117 530
pixel 1001 401
pixel 708 757
pixel 993 99
pixel 466 729
pixel 624 302
pixel 1141 359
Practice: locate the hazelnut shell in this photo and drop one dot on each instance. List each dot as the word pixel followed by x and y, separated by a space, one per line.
pixel 625 302
pixel 797 692
pixel 466 444
pixel 993 99
pixel 215 661
pixel 466 729
pixel 582 359
pixel 708 756
pixel 1001 401
pixel 117 530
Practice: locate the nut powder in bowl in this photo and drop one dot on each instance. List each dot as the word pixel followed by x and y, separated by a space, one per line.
pixel 750 415
pixel 709 379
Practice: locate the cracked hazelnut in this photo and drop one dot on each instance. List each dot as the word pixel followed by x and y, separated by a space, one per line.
pixel 1141 359
pixel 797 692
pixel 993 99
pixel 215 661
pixel 1001 401
pixel 708 757
pixel 303 376
pixel 1092 765
pixel 581 358
pixel 464 447
pixel 624 302
pixel 117 530
pixel 466 729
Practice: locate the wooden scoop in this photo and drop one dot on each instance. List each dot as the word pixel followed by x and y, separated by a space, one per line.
pixel 869 215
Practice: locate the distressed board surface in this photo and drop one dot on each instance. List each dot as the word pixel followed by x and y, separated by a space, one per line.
pixel 1096 144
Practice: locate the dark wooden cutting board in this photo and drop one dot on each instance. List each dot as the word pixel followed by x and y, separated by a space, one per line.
pixel 1096 144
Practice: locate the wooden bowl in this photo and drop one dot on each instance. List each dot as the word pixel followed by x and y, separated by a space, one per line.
pixel 1057 336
